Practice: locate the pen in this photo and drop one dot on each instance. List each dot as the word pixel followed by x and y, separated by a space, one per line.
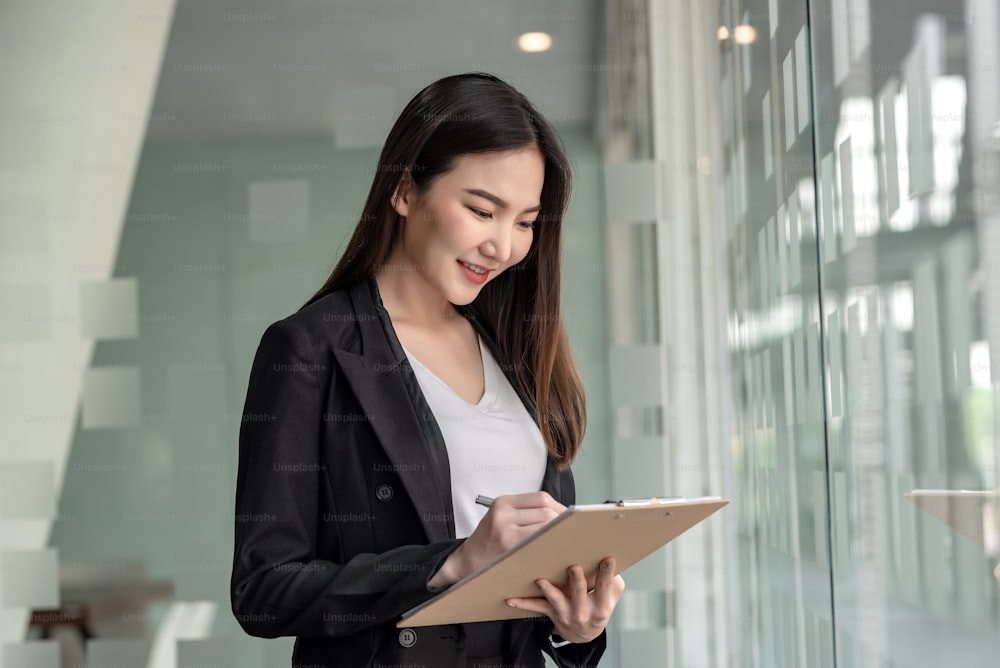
pixel 484 500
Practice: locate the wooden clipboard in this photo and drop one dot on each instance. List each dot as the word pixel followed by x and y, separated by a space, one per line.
pixel 626 530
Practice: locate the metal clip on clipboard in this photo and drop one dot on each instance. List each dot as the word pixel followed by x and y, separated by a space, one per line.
pixel 652 501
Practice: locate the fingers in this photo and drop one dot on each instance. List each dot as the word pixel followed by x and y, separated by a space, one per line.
pixel 577 583
pixel 533 517
pixel 605 573
pixel 510 519
pixel 529 500
pixel 558 602
pixel 531 510
pixel 608 587
pixel 554 605
pixel 537 605
pixel 575 614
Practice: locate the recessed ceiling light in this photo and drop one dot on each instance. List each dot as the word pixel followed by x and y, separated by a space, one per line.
pixel 533 42
pixel 723 33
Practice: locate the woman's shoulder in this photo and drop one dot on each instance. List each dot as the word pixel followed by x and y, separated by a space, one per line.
pixel 331 319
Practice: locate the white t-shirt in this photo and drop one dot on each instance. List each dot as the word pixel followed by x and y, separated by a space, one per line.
pixel 494 447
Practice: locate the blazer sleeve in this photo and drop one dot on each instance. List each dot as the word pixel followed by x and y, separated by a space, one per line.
pixel 279 587
pixel 574 655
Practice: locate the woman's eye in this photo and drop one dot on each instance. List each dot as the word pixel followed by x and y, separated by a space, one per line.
pixel 479 212
pixel 527 224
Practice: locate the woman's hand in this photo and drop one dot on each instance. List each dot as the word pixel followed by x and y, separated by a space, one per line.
pixel 577 615
pixel 510 519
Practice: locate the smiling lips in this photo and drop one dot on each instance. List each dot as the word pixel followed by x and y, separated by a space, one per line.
pixel 474 272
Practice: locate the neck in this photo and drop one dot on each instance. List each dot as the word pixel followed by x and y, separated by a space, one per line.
pixel 409 299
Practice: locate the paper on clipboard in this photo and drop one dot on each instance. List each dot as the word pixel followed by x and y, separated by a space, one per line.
pixel 585 535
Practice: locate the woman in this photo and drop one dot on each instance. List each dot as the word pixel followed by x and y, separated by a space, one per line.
pixel 431 367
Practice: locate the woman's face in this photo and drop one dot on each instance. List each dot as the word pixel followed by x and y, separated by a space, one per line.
pixel 473 222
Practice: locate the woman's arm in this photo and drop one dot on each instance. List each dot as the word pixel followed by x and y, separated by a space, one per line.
pixel 279 587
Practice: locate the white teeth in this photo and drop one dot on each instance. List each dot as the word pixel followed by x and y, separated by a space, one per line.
pixel 474 269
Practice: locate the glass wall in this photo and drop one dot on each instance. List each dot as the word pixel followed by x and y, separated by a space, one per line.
pixel 854 163
pixel 900 144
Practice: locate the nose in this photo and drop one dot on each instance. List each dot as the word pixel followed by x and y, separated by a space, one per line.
pixel 498 245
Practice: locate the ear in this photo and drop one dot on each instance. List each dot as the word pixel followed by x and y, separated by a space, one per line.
pixel 402 197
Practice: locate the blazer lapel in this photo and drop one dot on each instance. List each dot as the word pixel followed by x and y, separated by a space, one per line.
pixel 377 377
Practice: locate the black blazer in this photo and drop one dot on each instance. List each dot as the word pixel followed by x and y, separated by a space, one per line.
pixel 343 497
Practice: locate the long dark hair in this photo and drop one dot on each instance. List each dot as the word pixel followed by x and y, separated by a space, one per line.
pixel 479 113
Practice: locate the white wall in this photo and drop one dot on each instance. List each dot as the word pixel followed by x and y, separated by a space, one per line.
pixel 77 81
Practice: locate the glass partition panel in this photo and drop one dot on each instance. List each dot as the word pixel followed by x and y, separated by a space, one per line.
pixel 906 117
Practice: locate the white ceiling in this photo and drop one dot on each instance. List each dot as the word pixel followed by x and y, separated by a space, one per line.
pixel 264 68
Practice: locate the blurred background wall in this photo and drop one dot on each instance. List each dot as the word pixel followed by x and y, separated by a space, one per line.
pixel 779 284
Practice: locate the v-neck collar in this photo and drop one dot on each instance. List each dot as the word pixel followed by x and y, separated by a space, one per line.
pixel 490 390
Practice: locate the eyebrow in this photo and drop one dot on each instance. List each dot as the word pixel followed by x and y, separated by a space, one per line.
pixel 499 202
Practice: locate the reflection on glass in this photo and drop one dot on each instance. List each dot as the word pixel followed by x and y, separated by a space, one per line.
pixel 884 383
